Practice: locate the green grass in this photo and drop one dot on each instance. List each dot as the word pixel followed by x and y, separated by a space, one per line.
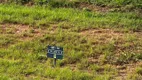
pixel 88 56
pixel 76 19
pixel 74 3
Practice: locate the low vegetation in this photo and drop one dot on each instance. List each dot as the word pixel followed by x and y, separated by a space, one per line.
pixel 97 45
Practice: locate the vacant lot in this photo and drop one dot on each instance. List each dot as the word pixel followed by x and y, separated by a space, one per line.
pixel 98 44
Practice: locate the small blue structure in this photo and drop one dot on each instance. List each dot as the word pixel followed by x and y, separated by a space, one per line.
pixel 55 52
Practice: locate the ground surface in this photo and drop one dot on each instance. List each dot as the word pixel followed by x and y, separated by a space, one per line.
pixel 97 45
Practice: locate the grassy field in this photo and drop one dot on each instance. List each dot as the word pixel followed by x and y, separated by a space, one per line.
pixel 73 3
pixel 97 45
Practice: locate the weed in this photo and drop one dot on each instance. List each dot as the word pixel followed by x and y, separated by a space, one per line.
pixel 139 70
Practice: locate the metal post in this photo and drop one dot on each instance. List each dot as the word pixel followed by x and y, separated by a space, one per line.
pixel 54 62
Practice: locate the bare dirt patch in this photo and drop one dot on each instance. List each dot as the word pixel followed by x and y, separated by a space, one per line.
pixel 127 70
pixel 24 32
pixel 94 7
pixel 15 28
pixel 102 35
pixel 108 35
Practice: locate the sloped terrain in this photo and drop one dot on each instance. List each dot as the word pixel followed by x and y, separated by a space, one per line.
pixel 97 45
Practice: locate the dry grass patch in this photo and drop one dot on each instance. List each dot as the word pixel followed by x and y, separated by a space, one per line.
pixel 121 52
pixel 24 32
pixel 102 35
